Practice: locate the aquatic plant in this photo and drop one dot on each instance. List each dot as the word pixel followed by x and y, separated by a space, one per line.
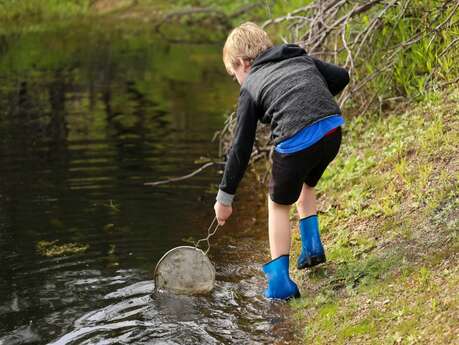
pixel 54 248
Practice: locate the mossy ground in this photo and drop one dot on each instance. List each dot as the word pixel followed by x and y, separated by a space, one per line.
pixel 389 223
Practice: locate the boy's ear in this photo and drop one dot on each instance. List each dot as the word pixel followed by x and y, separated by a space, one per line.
pixel 240 61
pixel 246 64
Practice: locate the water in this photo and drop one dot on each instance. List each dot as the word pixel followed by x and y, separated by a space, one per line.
pixel 88 113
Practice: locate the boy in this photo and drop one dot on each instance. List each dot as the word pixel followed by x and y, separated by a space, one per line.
pixel 293 92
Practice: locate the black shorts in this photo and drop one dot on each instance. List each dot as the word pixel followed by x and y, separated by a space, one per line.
pixel 291 170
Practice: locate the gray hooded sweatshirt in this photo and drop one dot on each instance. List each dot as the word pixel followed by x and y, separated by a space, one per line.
pixel 287 89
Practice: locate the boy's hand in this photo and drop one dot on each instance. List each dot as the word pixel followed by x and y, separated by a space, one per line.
pixel 222 212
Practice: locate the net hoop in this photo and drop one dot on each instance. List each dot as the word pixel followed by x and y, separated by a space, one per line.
pixel 184 270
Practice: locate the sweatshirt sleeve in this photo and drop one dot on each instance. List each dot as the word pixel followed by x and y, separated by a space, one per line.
pixel 336 77
pixel 241 149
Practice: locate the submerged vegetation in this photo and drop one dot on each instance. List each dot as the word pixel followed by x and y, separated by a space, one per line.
pixel 54 248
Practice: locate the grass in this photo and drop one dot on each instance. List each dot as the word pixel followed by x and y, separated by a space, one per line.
pixel 38 15
pixel 20 16
pixel 20 10
pixel 389 224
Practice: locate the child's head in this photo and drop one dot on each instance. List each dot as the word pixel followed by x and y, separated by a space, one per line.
pixel 243 45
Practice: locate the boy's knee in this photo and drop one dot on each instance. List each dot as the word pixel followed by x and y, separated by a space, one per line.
pixel 305 194
pixel 301 202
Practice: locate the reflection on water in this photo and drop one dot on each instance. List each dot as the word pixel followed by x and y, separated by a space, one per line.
pixel 87 115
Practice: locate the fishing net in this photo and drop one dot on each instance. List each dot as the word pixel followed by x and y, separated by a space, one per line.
pixel 187 269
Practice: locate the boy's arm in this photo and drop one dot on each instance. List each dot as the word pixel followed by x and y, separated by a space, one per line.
pixel 336 77
pixel 239 155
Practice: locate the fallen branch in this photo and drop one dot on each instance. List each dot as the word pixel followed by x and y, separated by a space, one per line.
pixel 215 12
pixel 181 178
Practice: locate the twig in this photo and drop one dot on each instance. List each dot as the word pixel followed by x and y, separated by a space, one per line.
pixel 175 179
pixel 349 53
pixel 454 81
pixel 353 12
pixel 290 16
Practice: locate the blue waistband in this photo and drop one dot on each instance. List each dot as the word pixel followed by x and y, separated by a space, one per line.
pixel 309 135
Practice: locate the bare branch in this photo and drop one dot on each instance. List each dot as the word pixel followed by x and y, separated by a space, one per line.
pixel 181 178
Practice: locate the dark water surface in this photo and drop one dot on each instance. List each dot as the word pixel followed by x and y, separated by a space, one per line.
pixel 87 115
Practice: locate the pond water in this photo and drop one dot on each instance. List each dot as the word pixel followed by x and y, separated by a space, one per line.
pixel 88 114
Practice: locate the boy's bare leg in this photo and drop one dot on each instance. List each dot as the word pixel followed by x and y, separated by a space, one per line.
pixel 307 203
pixel 279 229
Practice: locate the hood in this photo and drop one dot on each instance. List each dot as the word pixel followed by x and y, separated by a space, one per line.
pixel 278 53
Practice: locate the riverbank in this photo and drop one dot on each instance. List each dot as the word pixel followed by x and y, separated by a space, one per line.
pixel 37 15
pixel 389 220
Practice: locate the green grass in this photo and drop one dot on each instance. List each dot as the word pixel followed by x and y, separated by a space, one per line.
pixel 39 15
pixel 389 223
pixel 21 10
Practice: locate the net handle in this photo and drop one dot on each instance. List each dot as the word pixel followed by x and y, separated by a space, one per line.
pixel 210 233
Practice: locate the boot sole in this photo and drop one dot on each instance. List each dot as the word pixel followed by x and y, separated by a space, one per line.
pixel 296 295
pixel 313 261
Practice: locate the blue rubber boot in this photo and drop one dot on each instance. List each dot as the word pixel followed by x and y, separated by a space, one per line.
pixel 280 286
pixel 312 251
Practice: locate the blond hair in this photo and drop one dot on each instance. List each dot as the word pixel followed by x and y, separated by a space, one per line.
pixel 246 41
